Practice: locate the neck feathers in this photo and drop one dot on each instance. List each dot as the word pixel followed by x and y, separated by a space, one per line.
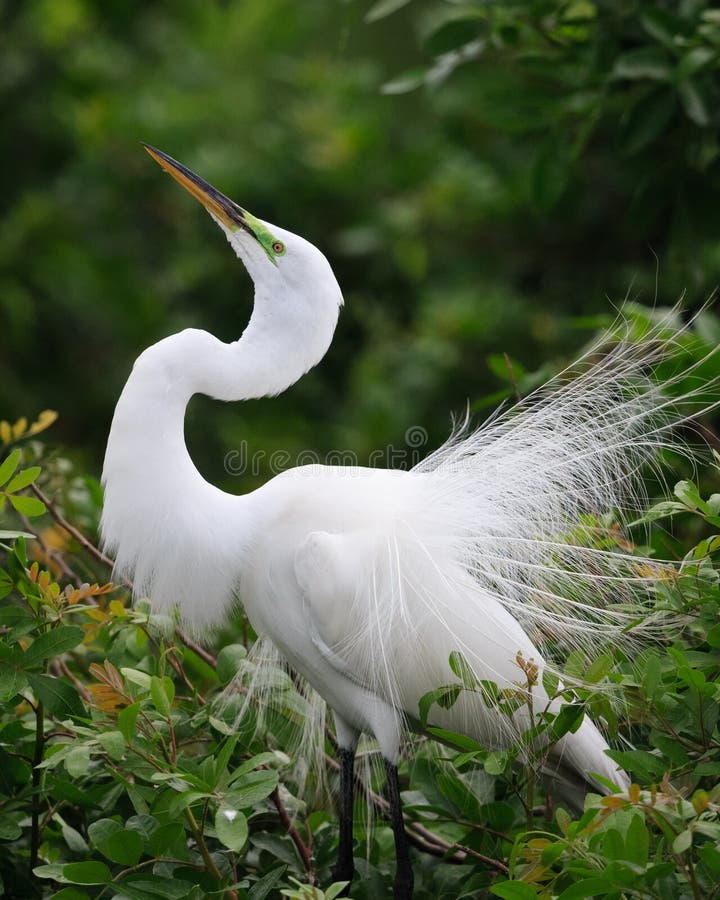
pixel 178 539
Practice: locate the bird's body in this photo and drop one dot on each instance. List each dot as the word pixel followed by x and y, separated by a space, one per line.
pixel 351 571
pixel 367 580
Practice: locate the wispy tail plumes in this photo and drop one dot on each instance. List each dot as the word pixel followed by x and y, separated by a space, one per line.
pixel 540 495
pixel 511 542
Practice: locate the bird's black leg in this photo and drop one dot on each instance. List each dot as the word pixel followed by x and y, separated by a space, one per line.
pixel 345 868
pixel 403 886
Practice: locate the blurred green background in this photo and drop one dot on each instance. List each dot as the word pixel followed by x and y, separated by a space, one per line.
pixel 486 179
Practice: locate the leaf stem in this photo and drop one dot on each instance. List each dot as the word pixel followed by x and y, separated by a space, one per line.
pixel 36 781
pixel 294 834
pixel 202 846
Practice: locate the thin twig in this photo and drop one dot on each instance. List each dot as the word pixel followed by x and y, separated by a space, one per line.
pixel 94 551
pixel 36 782
pixel 302 847
pixel 62 668
pixel 180 672
pixel 204 655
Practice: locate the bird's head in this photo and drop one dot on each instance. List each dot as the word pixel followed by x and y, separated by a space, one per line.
pixel 297 297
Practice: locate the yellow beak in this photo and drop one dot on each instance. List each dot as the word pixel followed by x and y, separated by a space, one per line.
pixel 217 204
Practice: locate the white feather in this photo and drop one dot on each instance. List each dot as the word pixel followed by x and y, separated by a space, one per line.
pixel 367 580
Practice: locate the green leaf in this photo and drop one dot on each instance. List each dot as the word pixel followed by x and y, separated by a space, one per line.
pixel 335 889
pixel 262 888
pixel 184 799
pixel 77 761
pixel 496 763
pixel 637 841
pixel 72 837
pixel 53 871
pixel 6 584
pixel 713 636
pixel 695 60
pixel 70 894
pixel 124 847
pixel 697 108
pixel 10 830
pixel 688 494
pixel 551 172
pixel 552 853
pixel 569 719
pixel 384 8
pixel 453 34
pixel 126 721
pixel 52 643
pixel 646 766
pixel 613 844
pixel 254 787
pixel 661 25
pixel 162 692
pixel 464 671
pixel 101 830
pixel 8 466
pixel 86 873
pixel 12 535
pixel 23 479
pixel 113 743
pixel 455 739
pixel 403 84
pixel 229 660
pixel 60 698
pixel 550 681
pixel 598 668
pixel 222 759
pixel 652 677
pixel 648 120
pixel 693 678
pixel 145 825
pixel 683 841
pixel 650 63
pixel 27 506
pixel 146 886
pixel 11 682
pixel 711 857
pixel 443 696
pixel 231 827
pixel 588 887
pixel 118 844
pixel 135 676
pixel 163 839
pixel 514 890
pixel 661 510
pixel 265 758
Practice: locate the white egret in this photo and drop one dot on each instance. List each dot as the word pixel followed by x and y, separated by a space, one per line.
pixel 366 580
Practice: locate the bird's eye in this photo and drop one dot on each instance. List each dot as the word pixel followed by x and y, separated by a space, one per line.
pixel 278 248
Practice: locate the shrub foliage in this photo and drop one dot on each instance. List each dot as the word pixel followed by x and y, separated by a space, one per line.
pixel 128 771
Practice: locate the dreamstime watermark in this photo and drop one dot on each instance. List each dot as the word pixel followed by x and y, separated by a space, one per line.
pixel 243 461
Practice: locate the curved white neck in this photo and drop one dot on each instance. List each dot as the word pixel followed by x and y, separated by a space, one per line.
pixel 177 537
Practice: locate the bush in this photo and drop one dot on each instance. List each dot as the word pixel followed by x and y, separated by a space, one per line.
pixel 125 771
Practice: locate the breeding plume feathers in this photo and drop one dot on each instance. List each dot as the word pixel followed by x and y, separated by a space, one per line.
pixel 512 530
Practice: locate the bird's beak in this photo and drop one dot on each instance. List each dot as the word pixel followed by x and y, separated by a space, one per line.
pixel 221 207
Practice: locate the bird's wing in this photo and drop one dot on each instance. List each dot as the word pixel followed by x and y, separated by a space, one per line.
pixel 325 567
pixel 386 611
pixel 387 617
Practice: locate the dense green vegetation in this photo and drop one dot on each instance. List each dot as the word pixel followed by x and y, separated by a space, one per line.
pixel 488 179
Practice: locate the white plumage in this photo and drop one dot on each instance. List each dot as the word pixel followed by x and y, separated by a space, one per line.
pixel 366 580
